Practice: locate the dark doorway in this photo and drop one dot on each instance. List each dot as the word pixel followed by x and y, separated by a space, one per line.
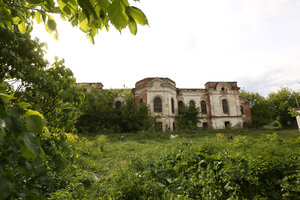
pixel 158 127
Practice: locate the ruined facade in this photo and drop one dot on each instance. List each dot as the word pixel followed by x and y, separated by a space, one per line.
pixel 219 103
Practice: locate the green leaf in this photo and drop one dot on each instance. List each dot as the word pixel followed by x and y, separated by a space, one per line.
pixel 33 112
pixel 51 24
pixel 32 143
pixel 27 153
pixel 14 125
pixel 117 15
pixel 87 8
pixel 34 123
pixel 6 97
pixel 83 22
pixel 34 1
pixel 55 35
pixel 16 20
pixel 22 27
pixel 91 38
pixel 5 187
pixel 38 17
pixel 132 26
pixel 138 16
pixel 104 4
pixel 62 17
pixel 23 104
pixel 125 2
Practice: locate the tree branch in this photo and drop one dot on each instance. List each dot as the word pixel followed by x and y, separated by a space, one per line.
pixel 13 6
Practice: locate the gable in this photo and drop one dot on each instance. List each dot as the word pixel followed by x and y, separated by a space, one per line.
pixel 159 83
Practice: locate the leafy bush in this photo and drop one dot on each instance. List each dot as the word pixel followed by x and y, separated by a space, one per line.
pixel 247 168
pixel 33 161
pixel 100 114
pixel 187 118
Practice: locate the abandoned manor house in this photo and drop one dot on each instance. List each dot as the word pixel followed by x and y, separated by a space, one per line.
pixel 219 102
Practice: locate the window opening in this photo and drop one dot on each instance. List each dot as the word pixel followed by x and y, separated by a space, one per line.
pixel 157 104
pixel 225 106
pixel 172 105
pixel 203 107
pixel 158 126
pixel 118 105
pixel 227 124
pixel 141 101
pixel 192 103
pixel 242 110
pixel 180 106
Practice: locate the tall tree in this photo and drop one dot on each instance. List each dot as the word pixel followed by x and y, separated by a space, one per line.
pixel 113 110
pixel 90 15
pixel 49 88
pixel 280 102
pixel 260 108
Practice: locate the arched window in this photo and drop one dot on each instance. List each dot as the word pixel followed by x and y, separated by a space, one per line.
pixel 172 105
pixel 118 105
pixel 192 103
pixel 141 101
pixel 242 110
pixel 225 106
pixel 157 104
pixel 203 107
pixel 180 104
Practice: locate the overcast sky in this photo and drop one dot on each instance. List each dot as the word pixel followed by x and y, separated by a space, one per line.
pixel 253 42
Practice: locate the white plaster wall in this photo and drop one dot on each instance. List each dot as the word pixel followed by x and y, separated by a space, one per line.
pixel 233 105
pixel 166 93
pixel 197 97
pixel 219 123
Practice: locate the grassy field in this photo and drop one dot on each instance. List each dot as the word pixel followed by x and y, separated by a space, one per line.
pixel 110 161
pixel 116 152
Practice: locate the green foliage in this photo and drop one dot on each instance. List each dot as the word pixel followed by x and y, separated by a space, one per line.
pixel 281 101
pixel 260 108
pixel 266 167
pixel 90 16
pixel 50 89
pixel 99 112
pixel 187 118
pixel 31 158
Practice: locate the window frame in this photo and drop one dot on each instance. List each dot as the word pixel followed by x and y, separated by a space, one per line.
pixel 242 110
pixel 172 105
pixel 203 105
pixel 157 105
pixel 225 106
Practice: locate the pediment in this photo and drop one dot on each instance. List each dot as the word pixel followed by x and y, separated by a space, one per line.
pixel 159 83
pixel 223 86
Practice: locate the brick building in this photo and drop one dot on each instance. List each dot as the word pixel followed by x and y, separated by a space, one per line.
pixel 219 102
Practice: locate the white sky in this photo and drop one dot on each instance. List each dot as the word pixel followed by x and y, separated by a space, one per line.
pixel 253 42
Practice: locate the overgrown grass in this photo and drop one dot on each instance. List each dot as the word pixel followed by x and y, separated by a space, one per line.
pixel 139 167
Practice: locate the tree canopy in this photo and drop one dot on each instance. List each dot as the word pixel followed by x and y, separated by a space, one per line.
pixel 281 101
pixel 260 108
pixel 100 112
pixel 90 15
pixel 274 108
pixel 49 88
